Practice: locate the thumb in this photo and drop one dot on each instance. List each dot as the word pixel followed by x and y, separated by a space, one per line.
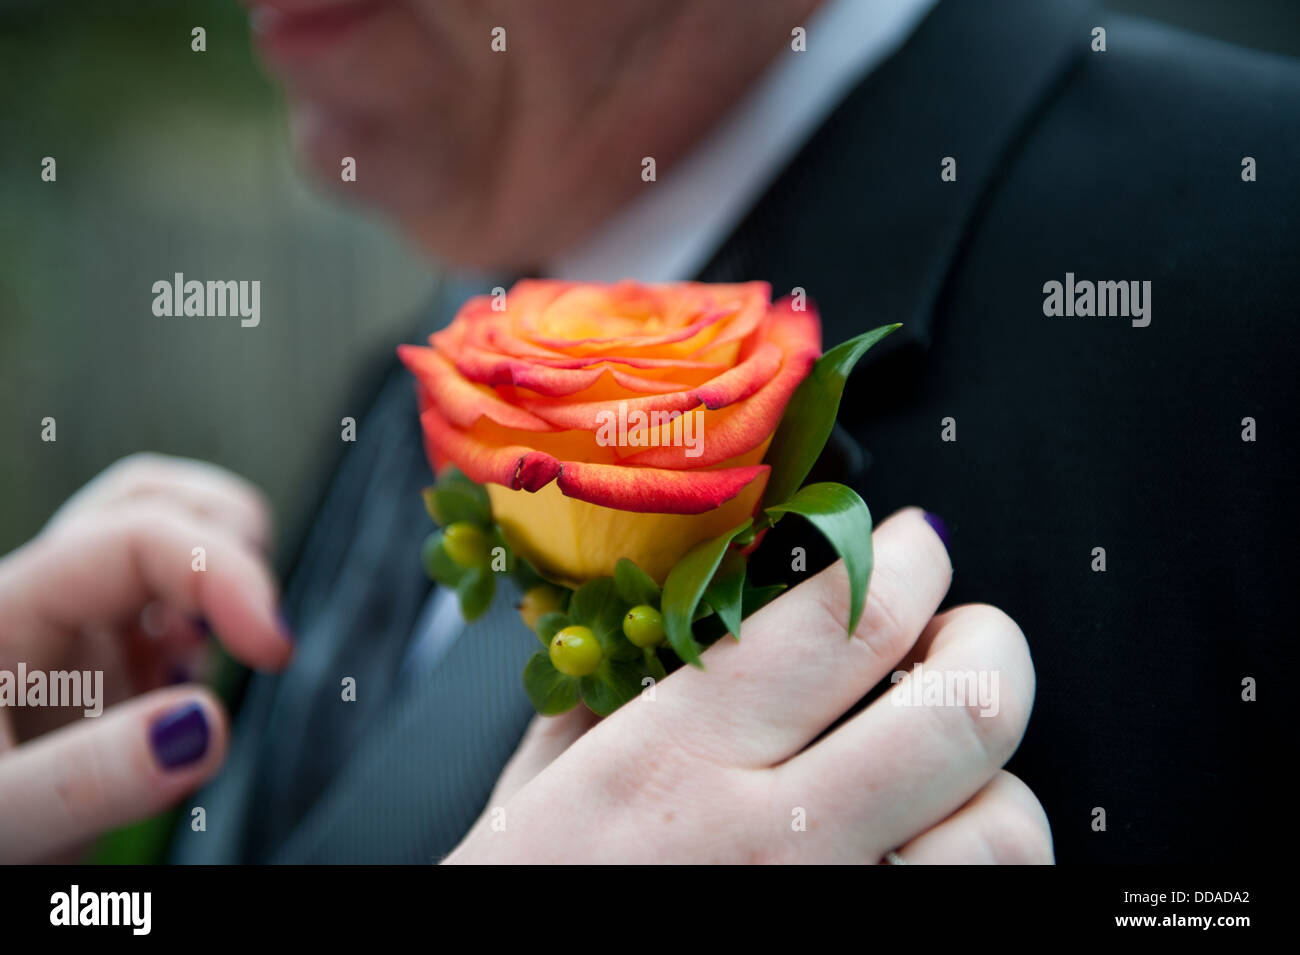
pixel 95 774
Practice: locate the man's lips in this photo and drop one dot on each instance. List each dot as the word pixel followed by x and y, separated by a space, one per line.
pixel 288 29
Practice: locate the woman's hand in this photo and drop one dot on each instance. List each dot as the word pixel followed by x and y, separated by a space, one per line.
pixel 734 763
pixel 114 585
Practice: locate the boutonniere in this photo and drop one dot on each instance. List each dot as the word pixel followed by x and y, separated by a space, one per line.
pixel 620 450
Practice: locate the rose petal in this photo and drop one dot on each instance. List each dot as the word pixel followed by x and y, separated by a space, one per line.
pixel 689 317
pixel 573 541
pixel 739 427
pixel 733 385
pixel 514 466
pixel 655 490
pixel 460 401
pixel 743 379
pixel 490 369
pixel 593 415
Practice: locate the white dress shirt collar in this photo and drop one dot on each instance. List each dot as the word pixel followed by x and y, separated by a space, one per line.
pixel 674 227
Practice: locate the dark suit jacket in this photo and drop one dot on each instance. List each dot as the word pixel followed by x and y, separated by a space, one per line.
pixel 1072 434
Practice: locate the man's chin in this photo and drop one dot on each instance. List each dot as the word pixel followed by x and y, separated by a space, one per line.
pixel 451 248
pixel 432 207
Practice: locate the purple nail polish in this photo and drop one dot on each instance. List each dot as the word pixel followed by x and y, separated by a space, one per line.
pixel 180 737
pixel 939 527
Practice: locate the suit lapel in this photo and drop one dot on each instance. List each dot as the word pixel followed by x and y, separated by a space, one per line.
pixel 861 218
pixel 431 757
pixel 330 765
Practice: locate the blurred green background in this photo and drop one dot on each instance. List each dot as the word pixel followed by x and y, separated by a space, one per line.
pixel 171 160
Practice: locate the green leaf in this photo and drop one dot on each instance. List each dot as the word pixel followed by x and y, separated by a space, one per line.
pixel 525 574
pixel 548 625
pixel 614 683
pixel 654 666
pixel 475 591
pixel 684 588
pixel 724 591
pixel 596 604
pixel 843 518
pixel 452 479
pixel 437 564
pixel 550 690
pixel 755 599
pixel 447 505
pixel 510 564
pixel 634 585
pixel 452 476
pixel 810 415
pixel 616 646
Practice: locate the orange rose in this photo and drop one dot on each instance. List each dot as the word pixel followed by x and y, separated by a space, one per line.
pixel 613 421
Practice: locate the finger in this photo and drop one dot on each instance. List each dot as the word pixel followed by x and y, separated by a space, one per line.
pixel 173 638
pixel 108 570
pixel 203 489
pixel 794 670
pixel 917 753
pixel 163 648
pixel 1003 824
pixel 546 738
pixel 131 762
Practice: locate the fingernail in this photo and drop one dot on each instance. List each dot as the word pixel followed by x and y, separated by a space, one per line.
pixel 939 527
pixel 180 737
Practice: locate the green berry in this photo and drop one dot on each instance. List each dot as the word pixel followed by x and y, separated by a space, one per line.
pixel 575 651
pixel 539 601
pixel 466 544
pixel 644 626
